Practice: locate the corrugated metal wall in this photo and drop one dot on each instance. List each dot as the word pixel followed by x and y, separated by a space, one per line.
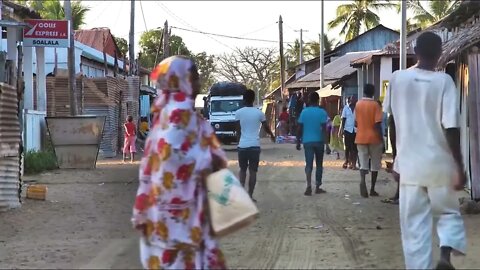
pixel 10 139
pixel 112 97
pixel 144 106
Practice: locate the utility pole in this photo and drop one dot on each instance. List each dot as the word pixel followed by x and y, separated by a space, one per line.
pixel 282 61
pixel 403 36
pixel 166 37
pixel 131 41
pixel 301 44
pixel 322 47
pixel 71 60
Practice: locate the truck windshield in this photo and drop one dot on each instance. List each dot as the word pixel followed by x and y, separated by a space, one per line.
pixel 226 106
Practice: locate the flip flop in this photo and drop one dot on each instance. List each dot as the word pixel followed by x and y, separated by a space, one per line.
pixel 345 165
pixel 390 201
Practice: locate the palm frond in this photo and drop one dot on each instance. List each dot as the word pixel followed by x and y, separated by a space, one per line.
pixel 440 9
pixel 338 21
pixel 371 19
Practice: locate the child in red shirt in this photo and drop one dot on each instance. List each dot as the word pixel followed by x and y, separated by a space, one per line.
pixel 130 139
pixel 283 124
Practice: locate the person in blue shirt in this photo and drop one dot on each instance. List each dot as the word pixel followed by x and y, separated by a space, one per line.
pixel 312 132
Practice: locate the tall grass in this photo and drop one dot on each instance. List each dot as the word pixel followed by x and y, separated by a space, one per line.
pixel 39 161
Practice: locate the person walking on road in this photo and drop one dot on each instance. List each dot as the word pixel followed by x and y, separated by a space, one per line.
pixel 312 132
pixel 348 131
pixel 129 145
pixel 369 138
pixel 336 143
pixel 429 158
pixel 249 121
pixel 181 150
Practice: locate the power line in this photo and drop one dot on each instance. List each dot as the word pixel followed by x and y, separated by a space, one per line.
pixel 258 30
pixel 103 10
pixel 165 8
pixel 143 15
pixel 120 12
pixel 226 36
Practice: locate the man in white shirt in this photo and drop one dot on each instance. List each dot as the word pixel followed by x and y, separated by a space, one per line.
pixel 349 131
pixel 425 106
pixel 249 120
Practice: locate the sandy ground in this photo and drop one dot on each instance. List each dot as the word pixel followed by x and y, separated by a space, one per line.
pixel 85 221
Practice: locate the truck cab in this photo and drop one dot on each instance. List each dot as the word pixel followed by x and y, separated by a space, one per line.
pixel 221 103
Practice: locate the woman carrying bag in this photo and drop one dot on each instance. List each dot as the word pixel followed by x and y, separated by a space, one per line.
pixel 180 152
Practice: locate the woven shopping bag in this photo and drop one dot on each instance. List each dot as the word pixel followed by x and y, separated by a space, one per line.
pixel 230 206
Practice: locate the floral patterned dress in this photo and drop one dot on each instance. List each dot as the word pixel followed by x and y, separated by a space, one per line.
pixel 170 204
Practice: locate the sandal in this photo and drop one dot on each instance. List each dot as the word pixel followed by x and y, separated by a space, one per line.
pixel 345 165
pixel 390 201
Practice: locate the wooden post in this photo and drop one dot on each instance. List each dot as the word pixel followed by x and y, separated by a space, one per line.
pixel 71 60
pixel 105 63
pixel 131 41
pixel 166 47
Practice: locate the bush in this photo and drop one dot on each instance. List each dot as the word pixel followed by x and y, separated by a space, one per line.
pixel 39 161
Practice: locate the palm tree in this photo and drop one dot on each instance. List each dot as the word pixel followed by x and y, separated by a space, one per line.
pixel 434 12
pixel 313 48
pixel 53 10
pixel 293 52
pixel 357 16
pixel 79 13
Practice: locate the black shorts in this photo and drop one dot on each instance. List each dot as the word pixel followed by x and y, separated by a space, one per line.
pixel 350 141
pixel 248 158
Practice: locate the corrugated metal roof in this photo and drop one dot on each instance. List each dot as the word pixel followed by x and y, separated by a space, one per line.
pixel 100 39
pixel 10 139
pixel 333 71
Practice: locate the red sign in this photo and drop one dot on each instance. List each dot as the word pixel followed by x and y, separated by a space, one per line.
pixel 46 33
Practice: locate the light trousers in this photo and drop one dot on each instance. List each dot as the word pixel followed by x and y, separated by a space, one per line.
pixel 419 208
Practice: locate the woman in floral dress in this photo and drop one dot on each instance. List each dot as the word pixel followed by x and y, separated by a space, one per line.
pixel 180 151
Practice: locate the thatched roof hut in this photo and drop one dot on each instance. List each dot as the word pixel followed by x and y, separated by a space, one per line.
pixel 464 25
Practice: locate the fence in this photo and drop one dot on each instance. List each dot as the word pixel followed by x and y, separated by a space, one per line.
pixel 10 139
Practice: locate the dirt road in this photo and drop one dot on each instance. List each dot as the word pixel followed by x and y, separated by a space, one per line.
pixel 85 221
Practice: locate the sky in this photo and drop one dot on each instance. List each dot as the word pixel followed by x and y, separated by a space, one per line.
pixel 247 19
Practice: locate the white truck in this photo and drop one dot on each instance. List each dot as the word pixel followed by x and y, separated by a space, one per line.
pixel 221 103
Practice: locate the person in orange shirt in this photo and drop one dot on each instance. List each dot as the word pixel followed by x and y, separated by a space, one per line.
pixel 369 139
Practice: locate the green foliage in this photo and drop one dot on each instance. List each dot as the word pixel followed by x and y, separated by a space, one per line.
pixel 428 12
pixel 151 46
pixel 53 10
pixel 357 16
pixel 206 67
pixel 122 45
pixel 310 50
pixel 40 161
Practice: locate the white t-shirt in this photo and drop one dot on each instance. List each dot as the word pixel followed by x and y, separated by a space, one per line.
pixel 423 104
pixel 350 119
pixel 251 119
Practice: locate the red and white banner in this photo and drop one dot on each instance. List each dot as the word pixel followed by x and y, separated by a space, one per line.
pixel 47 33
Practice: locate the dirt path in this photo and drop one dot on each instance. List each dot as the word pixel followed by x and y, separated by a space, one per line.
pixel 85 221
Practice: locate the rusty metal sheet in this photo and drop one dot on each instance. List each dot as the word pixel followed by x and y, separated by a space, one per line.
pixel 77 156
pixel 9 183
pixel 76 140
pixel 81 130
